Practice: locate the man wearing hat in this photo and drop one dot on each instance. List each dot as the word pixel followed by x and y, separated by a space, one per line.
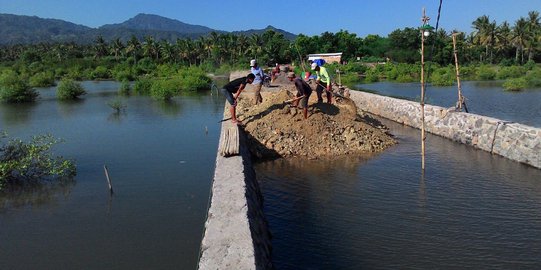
pixel 303 92
pixel 323 81
pixel 258 81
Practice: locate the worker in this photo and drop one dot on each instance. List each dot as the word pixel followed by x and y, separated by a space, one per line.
pixel 275 72
pixel 235 87
pixel 303 93
pixel 323 82
pixel 258 81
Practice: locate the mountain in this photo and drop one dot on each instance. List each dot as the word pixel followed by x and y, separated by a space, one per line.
pixel 19 29
pixel 15 29
pixel 287 35
pixel 154 22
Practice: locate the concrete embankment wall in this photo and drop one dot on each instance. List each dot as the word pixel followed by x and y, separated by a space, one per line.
pixel 511 140
pixel 236 231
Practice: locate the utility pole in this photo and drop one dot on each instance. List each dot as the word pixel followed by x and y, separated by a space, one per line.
pixel 425 32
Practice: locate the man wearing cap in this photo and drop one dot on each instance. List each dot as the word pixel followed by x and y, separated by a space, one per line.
pixel 303 92
pixel 235 87
pixel 258 81
pixel 323 81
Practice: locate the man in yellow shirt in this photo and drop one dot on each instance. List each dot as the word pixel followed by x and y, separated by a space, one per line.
pixel 323 81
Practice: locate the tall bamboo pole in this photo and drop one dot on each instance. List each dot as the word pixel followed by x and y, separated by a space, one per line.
pixel 460 101
pixel 424 19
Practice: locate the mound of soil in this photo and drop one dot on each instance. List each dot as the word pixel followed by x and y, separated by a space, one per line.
pixel 275 129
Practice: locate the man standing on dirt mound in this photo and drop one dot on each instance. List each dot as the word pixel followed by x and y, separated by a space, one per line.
pixel 323 81
pixel 258 81
pixel 303 93
pixel 235 87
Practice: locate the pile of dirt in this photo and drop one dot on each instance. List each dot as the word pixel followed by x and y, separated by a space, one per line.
pixel 276 129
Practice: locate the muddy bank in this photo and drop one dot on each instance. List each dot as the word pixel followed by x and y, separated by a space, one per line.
pixel 276 129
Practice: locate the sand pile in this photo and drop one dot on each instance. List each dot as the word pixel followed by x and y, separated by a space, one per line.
pixel 276 129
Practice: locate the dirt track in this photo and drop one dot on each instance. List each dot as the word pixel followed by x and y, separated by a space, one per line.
pixel 276 129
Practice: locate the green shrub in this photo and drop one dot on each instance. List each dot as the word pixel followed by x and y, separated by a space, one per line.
pixel 100 72
pixel 349 79
pixel 510 72
pixel 75 73
pixel 42 79
pixel 125 88
pixel 530 65
pixel 117 105
pixel 193 79
pixel 485 73
pixel 534 78
pixel 165 89
pixel 404 78
pixel 515 84
pixel 14 89
pixel 442 77
pixel 142 86
pixel 23 163
pixel 68 89
pixel 371 77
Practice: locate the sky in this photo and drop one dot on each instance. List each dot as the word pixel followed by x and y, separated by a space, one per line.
pixel 361 17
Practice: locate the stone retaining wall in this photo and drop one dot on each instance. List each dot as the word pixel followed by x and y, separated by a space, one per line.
pixel 236 231
pixel 511 140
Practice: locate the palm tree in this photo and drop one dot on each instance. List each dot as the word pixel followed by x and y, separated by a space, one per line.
pixel 167 50
pixel 242 45
pixel 534 30
pixel 485 34
pixel 255 46
pixel 117 47
pixel 150 48
pixel 132 48
pixel 503 37
pixel 519 38
pixel 100 47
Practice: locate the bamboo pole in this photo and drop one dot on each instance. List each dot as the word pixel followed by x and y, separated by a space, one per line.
pixel 461 100
pixel 108 179
pixel 422 102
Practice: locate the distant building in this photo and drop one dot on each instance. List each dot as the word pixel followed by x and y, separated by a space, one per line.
pixel 328 57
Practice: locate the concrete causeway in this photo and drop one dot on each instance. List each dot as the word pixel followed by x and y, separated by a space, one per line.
pixel 236 231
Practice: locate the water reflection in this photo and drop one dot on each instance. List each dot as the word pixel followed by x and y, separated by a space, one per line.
pixel 464 211
pixel 67 108
pixel 35 195
pixel 482 97
pixel 169 108
pixel 17 114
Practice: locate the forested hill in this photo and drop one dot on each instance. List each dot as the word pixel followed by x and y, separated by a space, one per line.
pixel 19 29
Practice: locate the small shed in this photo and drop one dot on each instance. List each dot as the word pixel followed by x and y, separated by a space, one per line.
pixel 328 57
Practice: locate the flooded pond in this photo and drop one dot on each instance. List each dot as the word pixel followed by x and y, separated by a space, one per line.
pixel 469 210
pixel 483 97
pixel 161 162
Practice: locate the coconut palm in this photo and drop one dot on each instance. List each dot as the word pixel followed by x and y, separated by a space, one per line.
pixel 519 38
pixel 132 48
pixel 255 46
pixel 117 47
pixel 100 47
pixel 534 30
pixel 150 48
pixel 485 34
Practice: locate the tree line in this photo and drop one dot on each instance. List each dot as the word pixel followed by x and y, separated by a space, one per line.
pixel 489 43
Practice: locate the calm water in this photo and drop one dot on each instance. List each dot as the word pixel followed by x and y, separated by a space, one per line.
pixel 485 98
pixel 470 210
pixel 161 163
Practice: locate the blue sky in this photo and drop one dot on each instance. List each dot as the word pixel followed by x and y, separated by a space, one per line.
pixel 308 17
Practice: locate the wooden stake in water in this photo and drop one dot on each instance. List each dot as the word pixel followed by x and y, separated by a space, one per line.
pixel 108 179
pixel 424 19
pixel 461 102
